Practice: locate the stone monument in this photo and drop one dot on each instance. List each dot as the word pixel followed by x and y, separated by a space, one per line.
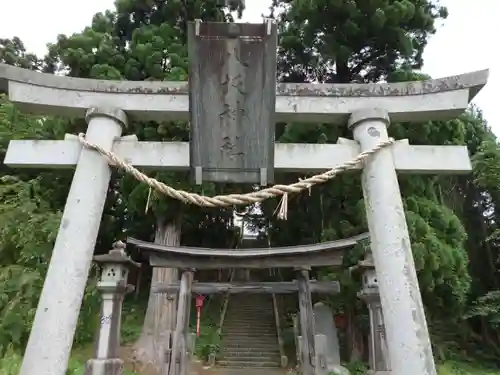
pixel 325 325
pixel 367 109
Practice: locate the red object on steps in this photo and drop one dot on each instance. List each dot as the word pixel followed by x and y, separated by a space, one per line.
pixel 199 305
pixel 340 321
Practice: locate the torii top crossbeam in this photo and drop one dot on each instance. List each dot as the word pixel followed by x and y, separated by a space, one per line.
pixel 433 99
pixel 322 254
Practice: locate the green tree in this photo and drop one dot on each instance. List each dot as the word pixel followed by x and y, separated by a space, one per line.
pixel 354 40
pixel 30 209
pixel 13 52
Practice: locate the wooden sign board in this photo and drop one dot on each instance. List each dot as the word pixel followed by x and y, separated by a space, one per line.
pixel 232 99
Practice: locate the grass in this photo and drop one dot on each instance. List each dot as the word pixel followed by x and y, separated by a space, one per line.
pixel 10 364
pixel 132 319
pixel 460 368
pixel 447 368
pixel 131 325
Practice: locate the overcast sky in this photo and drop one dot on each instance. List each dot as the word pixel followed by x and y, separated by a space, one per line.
pixel 465 42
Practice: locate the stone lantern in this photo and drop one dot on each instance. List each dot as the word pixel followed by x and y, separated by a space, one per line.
pixel 113 286
pixel 377 345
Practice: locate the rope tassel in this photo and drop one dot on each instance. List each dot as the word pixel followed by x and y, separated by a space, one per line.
pixel 148 201
pixel 283 207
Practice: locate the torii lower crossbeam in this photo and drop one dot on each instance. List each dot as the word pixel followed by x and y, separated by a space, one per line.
pixel 283 287
pixel 289 157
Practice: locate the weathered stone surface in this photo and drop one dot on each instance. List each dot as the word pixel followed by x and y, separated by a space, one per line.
pixel 408 339
pixel 473 81
pixel 51 337
pixel 289 157
pixel 331 103
pixel 104 367
pixel 232 77
pixel 325 325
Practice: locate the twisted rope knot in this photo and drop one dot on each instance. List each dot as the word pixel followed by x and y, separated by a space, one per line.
pixel 234 199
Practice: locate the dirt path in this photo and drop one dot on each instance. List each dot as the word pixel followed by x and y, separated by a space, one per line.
pixel 196 367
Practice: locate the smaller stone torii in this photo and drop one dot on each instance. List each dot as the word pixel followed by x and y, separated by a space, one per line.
pixel 302 258
pixel 252 97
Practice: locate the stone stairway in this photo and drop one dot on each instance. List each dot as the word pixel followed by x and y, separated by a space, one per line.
pixel 249 338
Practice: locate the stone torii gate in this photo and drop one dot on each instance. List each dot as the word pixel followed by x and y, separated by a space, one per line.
pixel 108 106
pixel 302 258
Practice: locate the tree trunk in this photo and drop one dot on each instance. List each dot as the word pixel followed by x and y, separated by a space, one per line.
pixel 161 311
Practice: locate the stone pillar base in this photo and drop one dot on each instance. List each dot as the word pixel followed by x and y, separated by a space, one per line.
pixel 112 366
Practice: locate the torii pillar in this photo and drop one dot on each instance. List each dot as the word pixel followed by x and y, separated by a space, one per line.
pixel 408 337
pixel 368 108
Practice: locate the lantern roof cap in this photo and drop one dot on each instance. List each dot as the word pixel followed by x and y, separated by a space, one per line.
pixel 364 264
pixel 116 255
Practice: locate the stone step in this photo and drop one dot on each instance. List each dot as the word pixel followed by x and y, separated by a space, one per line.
pixel 249 331
pixel 258 307
pixel 254 352
pixel 250 339
pixel 250 371
pixel 243 364
pixel 249 315
pixel 251 306
pixel 254 327
pixel 262 346
pixel 245 333
pixel 248 354
pixel 247 327
pixel 241 351
pixel 250 318
pixel 264 322
pixel 241 348
pixel 245 323
pixel 250 358
pixel 248 336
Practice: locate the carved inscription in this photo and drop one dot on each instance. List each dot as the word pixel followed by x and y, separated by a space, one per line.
pixel 233 89
pixel 106 319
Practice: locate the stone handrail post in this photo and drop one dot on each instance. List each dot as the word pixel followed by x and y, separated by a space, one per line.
pixel 306 319
pixel 277 320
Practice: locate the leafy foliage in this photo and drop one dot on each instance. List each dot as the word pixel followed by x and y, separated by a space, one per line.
pixel 355 40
